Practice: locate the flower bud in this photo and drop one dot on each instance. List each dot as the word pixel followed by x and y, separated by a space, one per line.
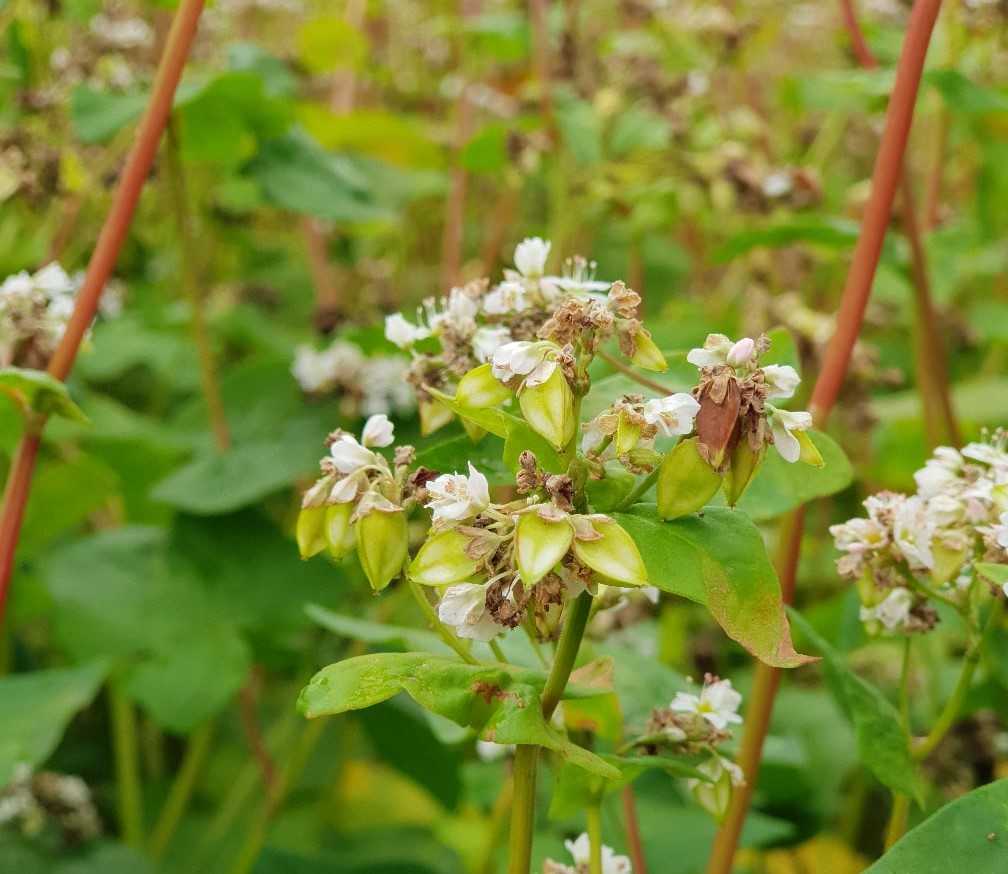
pixel 382 540
pixel 647 355
pixel 433 415
pixel 810 453
pixel 685 481
pixel 627 433
pixel 742 352
pixel 715 796
pixel 613 554
pixel 443 560
pixel 745 461
pixel 549 409
pixel 310 531
pixel 541 543
pixel 479 388
pixel 337 528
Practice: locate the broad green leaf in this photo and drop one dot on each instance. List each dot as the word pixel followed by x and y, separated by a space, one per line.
pixel 452 453
pixel 779 486
pixel 965 96
pixel 831 233
pixel 882 740
pixel 35 709
pixel 98 115
pixel 970 834
pixel 36 390
pixel 521 437
pixel 503 704
pixel 718 559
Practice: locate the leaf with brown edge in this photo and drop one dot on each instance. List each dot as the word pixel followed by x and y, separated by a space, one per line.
pixel 719 559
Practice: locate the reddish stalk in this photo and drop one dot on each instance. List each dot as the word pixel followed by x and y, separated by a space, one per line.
pixel 103 260
pixel 885 178
pixel 634 843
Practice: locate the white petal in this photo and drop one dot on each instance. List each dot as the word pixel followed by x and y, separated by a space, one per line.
pixel 530 256
pixel 781 379
pixel 348 455
pixel 479 487
pixel 784 441
pixel 378 431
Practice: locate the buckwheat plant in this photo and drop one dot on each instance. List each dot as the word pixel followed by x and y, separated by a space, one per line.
pixel 514 567
pixel 941 551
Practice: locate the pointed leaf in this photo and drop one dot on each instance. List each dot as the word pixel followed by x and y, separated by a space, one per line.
pixel 488 418
pixel 39 392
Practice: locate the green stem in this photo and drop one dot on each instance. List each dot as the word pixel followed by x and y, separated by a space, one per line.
pixel 628 371
pixel 641 489
pixel 497 828
pixel 523 809
pixel 897 819
pixel 952 707
pixel 129 796
pixel 536 647
pixel 431 615
pixel 594 815
pixel 901 803
pixel 182 788
pixel 566 652
pixel 498 652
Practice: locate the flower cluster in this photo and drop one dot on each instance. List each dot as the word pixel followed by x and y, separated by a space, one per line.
pixel 912 548
pixel 696 724
pixel 504 562
pixel 34 311
pixel 580 851
pixel 365 386
pixel 526 326
pixel 30 801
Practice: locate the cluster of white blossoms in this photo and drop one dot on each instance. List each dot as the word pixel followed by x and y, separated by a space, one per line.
pixel 580 850
pixel 31 801
pixel 910 547
pixel 34 311
pixel 366 386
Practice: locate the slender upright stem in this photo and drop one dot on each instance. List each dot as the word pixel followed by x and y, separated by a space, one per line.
pixel 181 791
pixel 898 817
pixel 497 827
pixel 523 809
pixel 566 652
pixel 594 816
pixel 639 490
pixel 901 802
pixel 627 370
pixel 190 260
pixel 633 835
pixel 103 260
pixel 850 316
pixel 432 618
pixel 129 795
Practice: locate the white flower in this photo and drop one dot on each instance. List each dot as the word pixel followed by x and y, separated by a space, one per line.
pixel 378 431
pixel 311 369
pixel 486 341
pixel 595 432
pixel 463 607
pixel 672 415
pixel 348 455
pixel 782 423
pixel 714 352
pixel 741 353
pixel 404 334
pixel 506 298
pixel 455 497
pixel 913 529
pixel 384 386
pixel 580 850
pixel 524 358
pixel 985 453
pixel 530 256
pixel 717 702
pixel 893 611
pixel 781 380
pixel 1001 532
pixel 859 535
pixel 54 281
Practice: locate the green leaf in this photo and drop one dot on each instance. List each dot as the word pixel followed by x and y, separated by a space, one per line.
pixel 521 437
pixel 883 743
pixel 965 96
pixel 329 42
pixel 376 632
pixel 830 233
pixel 36 390
pixel 503 704
pixel 491 419
pixel 35 709
pixel 96 116
pixel 451 454
pixel 995 573
pixel 718 559
pixel 779 486
pixel 970 834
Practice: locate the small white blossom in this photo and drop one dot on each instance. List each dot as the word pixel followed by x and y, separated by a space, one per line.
pixel 580 850
pixel 524 358
pixel 530 256
pixel 893 611
pixel 456 497
pixel 378 431
pixel 1000 531
pixel 713 353
pixel 913 529
pixel 717 702
pixel 781 380
pixel 463 607
pixel 782 424
pixel 672 415
pixel 741 353
pixel 403 333
pixel 348 455
pixel 506 298
pixel 486 341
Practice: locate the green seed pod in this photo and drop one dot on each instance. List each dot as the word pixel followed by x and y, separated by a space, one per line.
pixel 810 453
pixel 549 409
pixel 647 355
pixel 716 796
pixel 433 415
pixel 627 433
pixel 382 540
pixel 614 555
pixel 744 464
pixel 541 543
pixel 337 528
pixel 685 481
pixel 310 531
pixel 479 388
pixel 443 560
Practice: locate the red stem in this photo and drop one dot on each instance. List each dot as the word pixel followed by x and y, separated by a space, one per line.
pixel 885 178
pixel 634 843
pixel 103 260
